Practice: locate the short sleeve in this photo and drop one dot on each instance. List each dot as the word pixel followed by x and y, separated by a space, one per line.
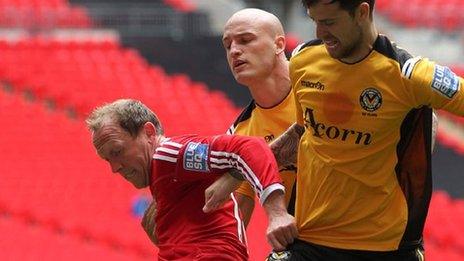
pixel 434 85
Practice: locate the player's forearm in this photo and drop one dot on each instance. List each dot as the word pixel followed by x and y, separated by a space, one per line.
pixel 148 222
pixel 252 158
pixel 285 147
pixel 246 205
pixel 282 227
pixel 275 203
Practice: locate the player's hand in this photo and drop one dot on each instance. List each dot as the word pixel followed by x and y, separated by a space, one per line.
pixel 219 192
pixel 281 231
pixel 148 222
pixel 282 228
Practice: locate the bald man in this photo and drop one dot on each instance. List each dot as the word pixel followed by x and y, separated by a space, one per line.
pixel 254 42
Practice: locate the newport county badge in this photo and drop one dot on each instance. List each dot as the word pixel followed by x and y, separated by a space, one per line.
pixel 370 99
pixel 280 256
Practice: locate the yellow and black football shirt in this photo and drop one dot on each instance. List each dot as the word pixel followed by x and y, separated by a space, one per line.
pixel 268 123
pixel 364 176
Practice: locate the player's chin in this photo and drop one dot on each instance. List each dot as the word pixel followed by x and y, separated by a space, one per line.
pixel 244 77
pixel 138 184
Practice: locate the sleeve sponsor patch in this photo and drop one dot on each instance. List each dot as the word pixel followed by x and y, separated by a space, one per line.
pixel 445 81
pixel 196 157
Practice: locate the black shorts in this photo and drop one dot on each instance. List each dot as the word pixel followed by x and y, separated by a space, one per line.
pixel 304 251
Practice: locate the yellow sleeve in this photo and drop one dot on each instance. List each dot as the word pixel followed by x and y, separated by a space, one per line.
pixel 435 85
pixel 246 190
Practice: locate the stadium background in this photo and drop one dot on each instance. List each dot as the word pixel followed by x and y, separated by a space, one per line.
pixel 60 58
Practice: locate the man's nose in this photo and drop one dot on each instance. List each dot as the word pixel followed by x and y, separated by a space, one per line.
pixel 321 31
pixel 235 49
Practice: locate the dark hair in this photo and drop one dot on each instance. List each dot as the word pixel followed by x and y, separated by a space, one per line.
pixel 348 5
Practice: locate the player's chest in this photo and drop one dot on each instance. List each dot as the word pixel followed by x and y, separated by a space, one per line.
pixel 350 101
pixel 266 125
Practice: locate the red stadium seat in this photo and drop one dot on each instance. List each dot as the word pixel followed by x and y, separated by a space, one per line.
pixel 445 15
pixel 42 14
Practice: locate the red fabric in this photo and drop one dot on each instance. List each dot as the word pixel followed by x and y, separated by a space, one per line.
pixel 183 230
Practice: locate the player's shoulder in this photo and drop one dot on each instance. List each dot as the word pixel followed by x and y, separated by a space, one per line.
pixel 176 144
pixel 313 44
pixel 391 50
pixel 168 150
pixel 406 61
pixel 243 117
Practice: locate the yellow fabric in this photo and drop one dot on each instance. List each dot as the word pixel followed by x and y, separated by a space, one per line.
pixel 348 195
pixel 269 123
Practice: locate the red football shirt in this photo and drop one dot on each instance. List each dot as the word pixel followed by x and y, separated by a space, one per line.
pixel 183 167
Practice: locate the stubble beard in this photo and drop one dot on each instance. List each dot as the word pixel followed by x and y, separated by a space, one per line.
pixel 353 47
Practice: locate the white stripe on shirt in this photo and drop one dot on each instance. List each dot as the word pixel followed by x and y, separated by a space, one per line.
pixel 171 143
pixel 247 177
pixel 240 227
pixel 249 174
pixel 169 151
pixel 165 158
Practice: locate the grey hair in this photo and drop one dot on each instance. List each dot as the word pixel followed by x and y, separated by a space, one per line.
pixel 130 114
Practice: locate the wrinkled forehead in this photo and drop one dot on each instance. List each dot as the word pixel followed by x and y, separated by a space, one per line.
pixel 108 136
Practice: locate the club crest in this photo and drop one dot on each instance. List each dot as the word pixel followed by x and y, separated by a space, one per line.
pixel 370 99
pixel 281 255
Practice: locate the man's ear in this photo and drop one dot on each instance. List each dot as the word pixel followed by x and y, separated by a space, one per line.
pixel 363 11
pixel 150 130
pixel 280 44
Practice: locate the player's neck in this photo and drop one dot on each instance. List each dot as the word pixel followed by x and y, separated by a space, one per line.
pixel 158 142
pixel 271 91
pixel 366 46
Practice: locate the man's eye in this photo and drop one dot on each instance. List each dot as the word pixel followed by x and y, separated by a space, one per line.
pixel 329 23
pixel 226 45
pixel 245 40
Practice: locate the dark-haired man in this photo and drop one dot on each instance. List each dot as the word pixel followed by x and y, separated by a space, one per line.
pixel 364 176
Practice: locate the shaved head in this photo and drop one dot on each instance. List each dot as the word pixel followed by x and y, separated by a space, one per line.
pixel 254 42
pixel 258 19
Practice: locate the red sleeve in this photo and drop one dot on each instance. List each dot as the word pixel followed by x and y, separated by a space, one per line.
pixel 252 157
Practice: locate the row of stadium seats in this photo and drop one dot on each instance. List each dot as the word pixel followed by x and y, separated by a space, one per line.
pixel 450 137
pixel 444 226
pixel 82 75
pixel 34 3
pixel 44 17
pixel 22 240
pixel 439 14
pixel 42 14
pixel 51 175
